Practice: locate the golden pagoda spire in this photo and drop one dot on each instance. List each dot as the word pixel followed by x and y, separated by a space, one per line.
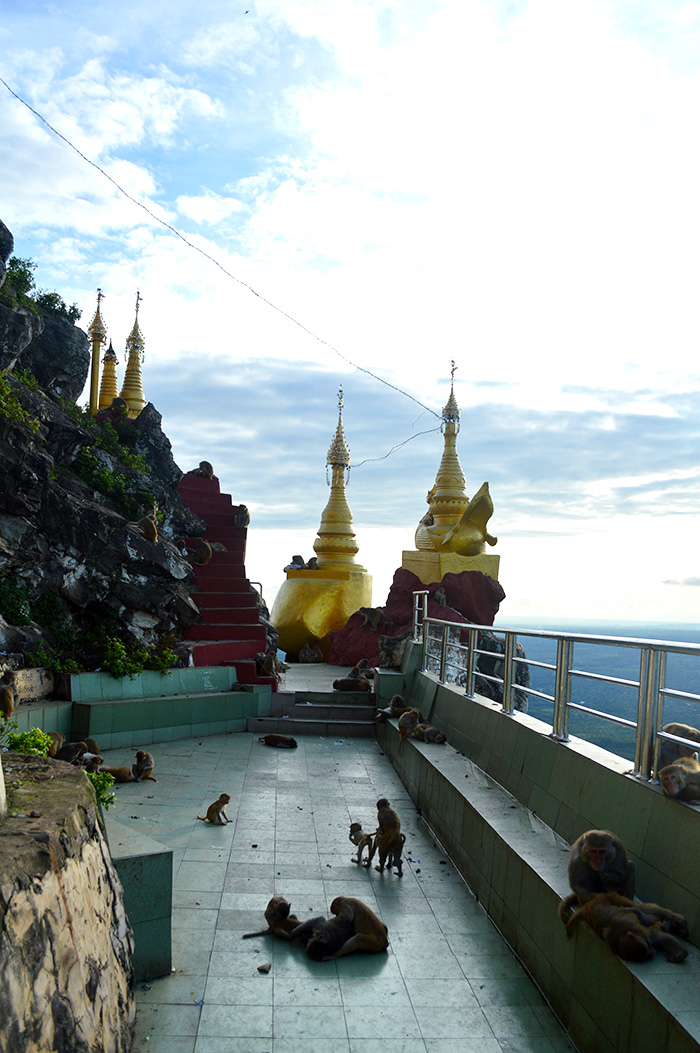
pixel 335 545
pixel 132 388
pixel 109 389
pixel 448 498
pixel 98 335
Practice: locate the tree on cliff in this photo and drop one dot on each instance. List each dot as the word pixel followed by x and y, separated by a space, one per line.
pixel 19 290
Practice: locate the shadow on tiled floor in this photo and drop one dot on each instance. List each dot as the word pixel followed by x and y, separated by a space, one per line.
pixel 448 982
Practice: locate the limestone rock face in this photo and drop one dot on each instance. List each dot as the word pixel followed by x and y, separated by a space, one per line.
pixel 18 327
pixel 59 357
pixel 7 244
pixel 66 980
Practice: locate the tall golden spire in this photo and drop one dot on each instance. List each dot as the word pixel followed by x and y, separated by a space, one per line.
pixel 132 388
pixel 335 545
pixel 98 335
pixel 448 498
pixel 109 389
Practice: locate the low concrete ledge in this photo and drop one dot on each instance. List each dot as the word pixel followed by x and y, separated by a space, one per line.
pixel 515 863
pixel 145 869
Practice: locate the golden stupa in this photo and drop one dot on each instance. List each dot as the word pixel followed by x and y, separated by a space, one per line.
pixel 98 335
pixel 452 535
pixel 313 603
pixel 132 388
pixel 109 388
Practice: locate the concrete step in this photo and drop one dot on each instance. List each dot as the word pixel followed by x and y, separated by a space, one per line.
pixel 217 631
pixel 228 615
pixel 223 652
pixel 327 728
pixel 321 711
pixel 241 599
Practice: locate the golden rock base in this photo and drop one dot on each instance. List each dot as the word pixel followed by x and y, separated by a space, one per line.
pixel 311 604
pixel 432 566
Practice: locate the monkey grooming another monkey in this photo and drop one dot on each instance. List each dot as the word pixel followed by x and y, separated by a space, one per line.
pixel 389 840
pixel 310 653
pixel 279 742
pixel 681 779
pixel 361 839
pixel 323 937
pixel 8 693
pixel 143 769
pixel 369 933
pixel 407 722
pixel 72 752
pixel 279 921
pixel 671 751
pixel 597 863
pixel 632 930
pixel 216 812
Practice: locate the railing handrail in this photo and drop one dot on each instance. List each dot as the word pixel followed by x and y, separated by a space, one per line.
pixel 651 687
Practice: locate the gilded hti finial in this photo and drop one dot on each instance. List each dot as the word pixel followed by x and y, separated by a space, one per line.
pixel 338 451
pixel 132 388
pixel 98 335
pixel 451 409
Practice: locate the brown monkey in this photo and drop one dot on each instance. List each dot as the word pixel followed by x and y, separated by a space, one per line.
pixel 242 518
pixel 279 921
pixel 597 863
pixel 72 752
pixel 375 618
pixel 280 742
pixel 323 937
pixel 671 751
pixel 361 839
pixel 355 683
pixel 396 708
pixel 92 746
pixel 147 526
pixel 8 693
pixel 91 762
pixel 389 839
pixel 428 733
pixel 143 769
pixel 632 930
pixel 369 933
pixel 310 652
pixel 268 664
pixel 362 669
pixel 205 470
pixel 407 722
pixel 216 812
pixel 57 740
pixel 681 779
pixel 202 553
pixel 118 774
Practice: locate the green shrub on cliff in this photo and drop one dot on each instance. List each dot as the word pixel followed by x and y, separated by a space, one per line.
pixel 19 290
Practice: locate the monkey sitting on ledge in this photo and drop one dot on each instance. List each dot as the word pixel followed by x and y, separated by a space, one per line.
pixel 597 863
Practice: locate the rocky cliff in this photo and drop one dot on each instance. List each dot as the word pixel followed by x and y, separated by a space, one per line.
pixel 75 570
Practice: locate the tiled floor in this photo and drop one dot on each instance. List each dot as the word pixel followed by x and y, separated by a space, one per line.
pixel 448 983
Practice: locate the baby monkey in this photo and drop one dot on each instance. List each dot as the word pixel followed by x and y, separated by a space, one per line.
pixel 361 839
pixel 216 814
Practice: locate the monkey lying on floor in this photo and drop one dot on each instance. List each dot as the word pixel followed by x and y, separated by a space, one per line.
pixel 280 742
pixel 632 930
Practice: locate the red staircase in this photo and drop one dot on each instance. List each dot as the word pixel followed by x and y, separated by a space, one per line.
pixel 230 632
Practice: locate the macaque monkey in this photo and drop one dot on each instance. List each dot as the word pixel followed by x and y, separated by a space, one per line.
pixel 369 933
pixel 8 693
pixel 597 863
pixel 428 733
pixel 632 930
pixel 143 769
pixel 407 722
pixel 242 518
pixel 118 774
pixel 72 752
pixel 671 751
pixel 440 597
pixel 57 740
pixel 396 708
pixel 205 470
pixel 202 552
pixel 268 664
pixel 216 812
pixel 92 746
pixel 323 937
pixel 375 618
pixel 361 839
pixel 389 840
pixel 310 653
pixel 91 762
pixel 355 683
pixel 279 921
pixel 280 742
pixel 681 779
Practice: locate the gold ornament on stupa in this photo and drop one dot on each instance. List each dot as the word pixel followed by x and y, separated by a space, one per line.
pixel 311 604
pixel 452 535
pixel 98 336
pixel 132 388
pixel 109 388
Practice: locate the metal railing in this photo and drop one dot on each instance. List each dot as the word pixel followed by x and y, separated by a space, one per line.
pixel 455 660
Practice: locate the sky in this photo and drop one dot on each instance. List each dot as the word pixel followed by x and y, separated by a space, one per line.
pixel 365 191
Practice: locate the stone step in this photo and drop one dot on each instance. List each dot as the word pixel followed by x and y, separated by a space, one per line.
pixel 237 633
pixel 227 615
pixel 326 728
